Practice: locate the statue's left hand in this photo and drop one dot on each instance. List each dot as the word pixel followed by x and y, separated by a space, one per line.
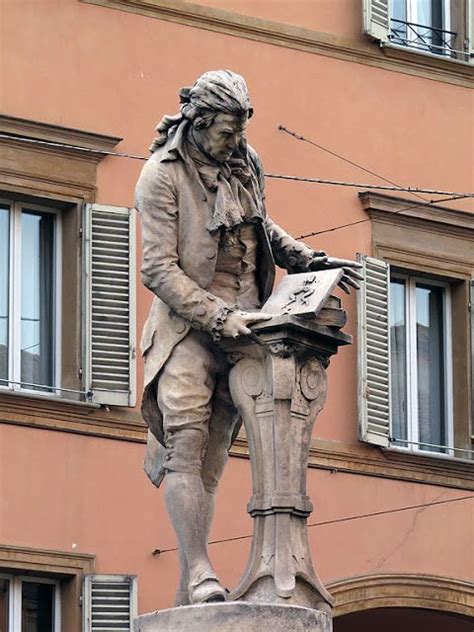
pixel 350 278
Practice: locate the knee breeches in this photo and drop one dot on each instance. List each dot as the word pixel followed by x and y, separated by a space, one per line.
pixel 198 414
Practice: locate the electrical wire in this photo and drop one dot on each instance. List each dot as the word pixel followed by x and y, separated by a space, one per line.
pixel 279 176
pixel 339 520
pixel 336 155
pixel 400 210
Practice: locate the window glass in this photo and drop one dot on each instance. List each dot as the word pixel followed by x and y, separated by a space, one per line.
pixel 398 359
pixel 430 364
pixel 37 296
pixel 4 603
pixel 4 289
pixel 37 607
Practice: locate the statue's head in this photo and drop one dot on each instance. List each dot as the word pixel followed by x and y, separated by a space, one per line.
pixel 218 107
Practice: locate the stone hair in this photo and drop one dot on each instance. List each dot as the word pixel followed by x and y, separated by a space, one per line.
pixel 215 91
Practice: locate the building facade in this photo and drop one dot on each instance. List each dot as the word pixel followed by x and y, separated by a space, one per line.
pixel 383 90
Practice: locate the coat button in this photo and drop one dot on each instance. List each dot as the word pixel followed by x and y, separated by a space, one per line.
pixel 210 253
pixel 179 325
pixel 201 310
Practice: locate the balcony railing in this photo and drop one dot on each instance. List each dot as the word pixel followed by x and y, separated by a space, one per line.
pixel 425 38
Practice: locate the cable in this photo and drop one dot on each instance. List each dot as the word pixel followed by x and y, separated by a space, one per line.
pixel 268 175
pixel 345 519
pixel 343 158
pixel 400 210
pixel 358 185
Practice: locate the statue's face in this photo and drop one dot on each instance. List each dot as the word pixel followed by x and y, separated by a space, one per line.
pixel 223 136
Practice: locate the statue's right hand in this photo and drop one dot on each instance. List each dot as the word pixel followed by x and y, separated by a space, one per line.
pixel 237 323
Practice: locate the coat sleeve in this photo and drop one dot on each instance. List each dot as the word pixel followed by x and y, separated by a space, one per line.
pixel 293 255
pixel 156 201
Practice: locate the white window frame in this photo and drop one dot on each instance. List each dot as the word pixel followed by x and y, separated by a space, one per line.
pixel 412 13
pixel 14 300
pixel 413 436
pixel 14 599
pixel 412 16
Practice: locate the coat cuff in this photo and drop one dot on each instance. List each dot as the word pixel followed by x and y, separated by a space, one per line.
pixel 210 315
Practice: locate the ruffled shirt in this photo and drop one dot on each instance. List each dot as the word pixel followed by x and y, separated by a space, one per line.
pixel 234 189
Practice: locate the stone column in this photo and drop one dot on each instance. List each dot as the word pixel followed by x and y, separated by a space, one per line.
pixel 279 386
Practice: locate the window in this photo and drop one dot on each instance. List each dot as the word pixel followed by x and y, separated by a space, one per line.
pixel 38 328
pixel 30 297
pixel 420 363
pixel 436 27
pixel 67 271
pixel 423 25
pixel 415 329
pixel 29 604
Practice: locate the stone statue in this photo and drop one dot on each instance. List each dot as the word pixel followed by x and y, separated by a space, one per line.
pixel 208 256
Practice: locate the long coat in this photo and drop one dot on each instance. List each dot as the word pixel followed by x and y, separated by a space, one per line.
pixel 179 257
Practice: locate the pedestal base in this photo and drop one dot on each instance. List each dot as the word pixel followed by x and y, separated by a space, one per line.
pixel 235 617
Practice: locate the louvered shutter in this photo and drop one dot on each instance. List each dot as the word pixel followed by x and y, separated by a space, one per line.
pixel 110 335
pixel 377 18
pixel 470 29
pixel 471 308
pixel 109 603
pixel 374 352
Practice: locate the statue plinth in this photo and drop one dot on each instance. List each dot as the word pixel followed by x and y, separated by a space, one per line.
pixel 279 386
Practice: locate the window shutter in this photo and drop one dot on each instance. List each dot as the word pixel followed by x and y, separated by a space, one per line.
pixel 109 603
pixel 470 29
pixel 471 308
pixel 374 352
pixel 377 19
pixel 110 335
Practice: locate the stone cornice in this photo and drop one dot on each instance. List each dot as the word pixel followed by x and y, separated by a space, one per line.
pixel 402 211
pixel 127 425
pixel 406 590
pixel 19 129
pixel 45 560
pixel 298 38
pixel 390 464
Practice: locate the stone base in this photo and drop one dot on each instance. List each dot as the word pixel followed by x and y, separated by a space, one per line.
pixel 235 617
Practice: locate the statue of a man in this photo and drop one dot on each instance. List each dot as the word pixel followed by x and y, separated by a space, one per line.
pixel 208 256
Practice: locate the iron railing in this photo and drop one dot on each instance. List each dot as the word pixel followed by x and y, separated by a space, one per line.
pixel 425 38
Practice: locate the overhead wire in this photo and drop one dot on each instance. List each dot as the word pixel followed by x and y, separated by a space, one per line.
pixel 411 206
pixel 336 155
pixel 302 138
pixel 280 176
pixel 323 523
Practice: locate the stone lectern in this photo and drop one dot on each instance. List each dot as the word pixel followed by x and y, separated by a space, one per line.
pixel 278 384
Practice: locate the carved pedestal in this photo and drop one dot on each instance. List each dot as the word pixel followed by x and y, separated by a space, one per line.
pixel 279 386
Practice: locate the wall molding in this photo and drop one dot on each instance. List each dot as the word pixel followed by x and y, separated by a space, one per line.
pixel 45 560
pixel 365 460
pixel 298 38
pixel 403 211
pixel 59 173
pixel 36 130
pixel 385 590
pixel 127 425
pixel 76 417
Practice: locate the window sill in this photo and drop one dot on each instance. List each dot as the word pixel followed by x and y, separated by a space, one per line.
pixel 49 397
pixel 437 456
pixel 54 413
pixel 413 55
